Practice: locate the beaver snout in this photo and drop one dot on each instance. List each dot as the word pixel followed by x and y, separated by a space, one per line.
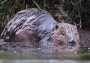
pixel 71 43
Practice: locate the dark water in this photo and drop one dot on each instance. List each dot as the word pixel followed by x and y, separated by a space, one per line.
pixel 34 57
pixel 43 61
pixel 17 55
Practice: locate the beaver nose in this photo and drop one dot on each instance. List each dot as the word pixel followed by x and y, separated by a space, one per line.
pixel 72 43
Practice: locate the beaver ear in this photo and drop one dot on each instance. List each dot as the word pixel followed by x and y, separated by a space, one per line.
pixel 56 27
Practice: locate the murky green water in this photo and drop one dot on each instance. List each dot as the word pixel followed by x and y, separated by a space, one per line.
pixel 43 61
pixel 29 56
pixel 32 57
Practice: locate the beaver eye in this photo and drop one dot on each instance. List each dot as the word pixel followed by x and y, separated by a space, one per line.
pixel 56 27
pixel 63 33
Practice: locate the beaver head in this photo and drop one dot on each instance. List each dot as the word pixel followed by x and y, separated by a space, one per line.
pixel 64 38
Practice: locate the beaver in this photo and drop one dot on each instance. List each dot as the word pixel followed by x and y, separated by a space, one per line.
pixel 27 24
pixel 64 38
pixel 39 27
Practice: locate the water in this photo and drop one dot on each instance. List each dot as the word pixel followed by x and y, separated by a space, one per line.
pixel 43 61
pixel 33 56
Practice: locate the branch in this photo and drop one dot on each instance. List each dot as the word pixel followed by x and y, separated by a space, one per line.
pixel 36 4
pixel 3 2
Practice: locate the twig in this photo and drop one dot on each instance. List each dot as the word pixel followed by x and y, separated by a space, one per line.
pixel 26 6
pixel 44 2
pixel 36 4
pixel 3 2
pixel 80 22
pixel 75 3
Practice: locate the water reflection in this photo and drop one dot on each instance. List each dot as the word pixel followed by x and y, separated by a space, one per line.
pixel 16 51
pixel 43 61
